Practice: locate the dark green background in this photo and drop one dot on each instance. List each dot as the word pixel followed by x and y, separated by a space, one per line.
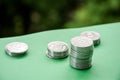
pixel 18 17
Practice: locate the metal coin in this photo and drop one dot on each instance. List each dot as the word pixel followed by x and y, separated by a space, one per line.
pixel 81 55
pixel 81 44
pixel 92 35
pixel 79 66
pixel 81 61
pixel 57 49
pixel 82 50
pixel 16 48
pixel 56 57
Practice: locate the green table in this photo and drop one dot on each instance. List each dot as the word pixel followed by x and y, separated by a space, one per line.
pixel 36 66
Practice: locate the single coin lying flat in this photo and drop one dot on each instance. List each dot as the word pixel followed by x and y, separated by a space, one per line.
pixel 16 48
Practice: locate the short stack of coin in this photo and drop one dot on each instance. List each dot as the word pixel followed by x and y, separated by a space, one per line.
pixel 81 52
pixel 57 49
pixel 16 48
pixel 95 36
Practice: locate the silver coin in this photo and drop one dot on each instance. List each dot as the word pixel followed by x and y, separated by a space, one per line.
pixel 82 50
pixel 95 36
pixel 81 44
pixel 56 57
pixel 80 61
pixel 16 48
pixel 57 49
pixel 78 65
pixel 81 55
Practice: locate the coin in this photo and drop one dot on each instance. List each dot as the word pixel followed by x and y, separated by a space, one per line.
pixel 81 44
pixel 80 55
pixel 80 61
pixel 80 64
pixel 56 57
pixel 81 52
pixel 57 49
pixel 95 36
pixel 16 48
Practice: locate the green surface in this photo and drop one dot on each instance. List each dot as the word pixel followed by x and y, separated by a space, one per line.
pixel 36 66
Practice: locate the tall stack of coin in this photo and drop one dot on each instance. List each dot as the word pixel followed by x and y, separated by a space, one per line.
pixel 81 52
pixel 16 48
pixel 95 36
pixel 57 49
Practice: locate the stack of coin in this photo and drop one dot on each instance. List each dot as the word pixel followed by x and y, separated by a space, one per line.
pixel 16 48
pixel 92 35
pixel 57 49
pixel 81 52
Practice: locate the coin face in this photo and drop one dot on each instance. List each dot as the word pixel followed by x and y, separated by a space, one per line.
pixel 57 46
pixel 81 41
pixel 17 47
pixel 91 34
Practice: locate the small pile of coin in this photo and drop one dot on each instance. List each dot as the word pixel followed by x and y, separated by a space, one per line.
pixel 16 48
pixel 57 49
pixel 81 52
pixel 95 36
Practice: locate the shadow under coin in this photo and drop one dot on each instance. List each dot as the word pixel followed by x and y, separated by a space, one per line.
pixel 17 56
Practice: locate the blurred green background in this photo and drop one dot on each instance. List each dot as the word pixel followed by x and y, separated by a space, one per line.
pixel 18 17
